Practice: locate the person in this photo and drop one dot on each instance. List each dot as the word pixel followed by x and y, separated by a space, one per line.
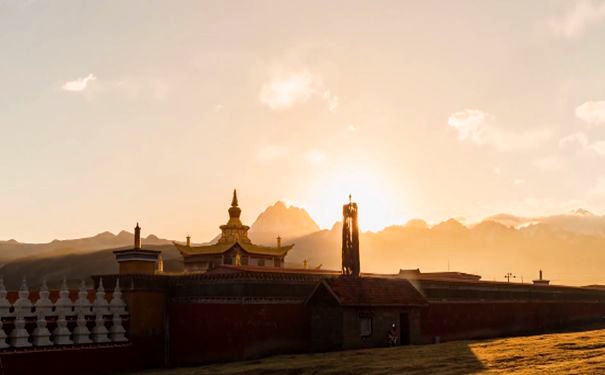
pixel 392 336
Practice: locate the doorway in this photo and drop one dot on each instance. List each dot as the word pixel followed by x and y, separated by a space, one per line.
pixel 404 328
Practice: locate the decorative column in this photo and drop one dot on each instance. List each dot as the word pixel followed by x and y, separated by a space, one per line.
pixel 4 304
pixel 100 305
pixel 350 240
pixel 82 305
pixel 4 312
pixel 3 343
pixel 63 307
pixel 117 306
pixel 117 331
pixel 81 333
pixel 23 307
pixel 100 308
pixel 44 306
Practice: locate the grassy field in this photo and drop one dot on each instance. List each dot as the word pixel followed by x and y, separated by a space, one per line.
pixel 557 353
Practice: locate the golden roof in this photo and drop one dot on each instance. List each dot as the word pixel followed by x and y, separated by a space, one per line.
pixel 220 248
pixel 233 233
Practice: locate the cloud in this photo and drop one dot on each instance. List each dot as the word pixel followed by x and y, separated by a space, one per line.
pixel 79 84
pixel 572 140
pixel 315 156
pixel 469 123
pixel 271 152
pixel 580 140
pixel 597 147
pixel 477 127
pixel 549 163
pixel 578 19
pixel 332 101
pixel 283 91
pixel 592 112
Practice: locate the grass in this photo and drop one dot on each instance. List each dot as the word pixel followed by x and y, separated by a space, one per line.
pixel 555 353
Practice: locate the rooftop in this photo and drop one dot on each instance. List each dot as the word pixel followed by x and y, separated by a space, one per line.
pixel 371 291
pixel 233 234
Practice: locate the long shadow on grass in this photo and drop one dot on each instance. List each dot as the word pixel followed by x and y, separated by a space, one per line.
pixel 447 358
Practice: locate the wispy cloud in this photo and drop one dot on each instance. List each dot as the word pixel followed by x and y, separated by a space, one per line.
pixel 478 127
pixel 470 124
pixel 572 140
pixel 283 91
pixel 580 141
pixel 578 19
pixel 271 152
pixel 549 163
pixel 79 84
pixel 592 112
pixel 598 147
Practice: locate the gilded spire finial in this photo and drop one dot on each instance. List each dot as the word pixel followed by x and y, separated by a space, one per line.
pixel 234 200
pixel 350 198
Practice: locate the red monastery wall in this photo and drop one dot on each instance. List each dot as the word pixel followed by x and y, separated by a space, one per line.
pixel 468 320
pixel 210 332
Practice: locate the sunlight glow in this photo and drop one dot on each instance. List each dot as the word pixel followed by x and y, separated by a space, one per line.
pixel 379 206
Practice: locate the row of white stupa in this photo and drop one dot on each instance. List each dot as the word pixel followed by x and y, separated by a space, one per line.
pixel 43 308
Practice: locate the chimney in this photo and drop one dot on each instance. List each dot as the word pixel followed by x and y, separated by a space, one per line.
pixel 188 241
pixel 138 260
pixel 137 237
pixel 540 280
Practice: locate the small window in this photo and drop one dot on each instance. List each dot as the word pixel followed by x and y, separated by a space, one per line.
pixel 365 325
pixel 228 259
pixel 244 261
pixel 261 262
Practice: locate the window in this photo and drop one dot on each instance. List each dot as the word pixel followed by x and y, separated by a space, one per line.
pixel 261 262
pixel 365 325
pixel 244 261
pixel 228 259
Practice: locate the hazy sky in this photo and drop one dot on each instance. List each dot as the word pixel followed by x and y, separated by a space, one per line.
pixel 118 111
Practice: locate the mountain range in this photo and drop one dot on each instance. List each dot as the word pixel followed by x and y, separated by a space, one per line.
pixel 568 247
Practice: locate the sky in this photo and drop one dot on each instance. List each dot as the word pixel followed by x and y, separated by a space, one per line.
pixel 115 112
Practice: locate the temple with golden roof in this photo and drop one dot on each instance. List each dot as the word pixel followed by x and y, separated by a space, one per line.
pixel 233 247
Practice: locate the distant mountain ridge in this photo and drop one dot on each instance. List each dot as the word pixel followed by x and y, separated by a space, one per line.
pixel 579 221
pixel 281 220
pixel 12 249
pixel 568 247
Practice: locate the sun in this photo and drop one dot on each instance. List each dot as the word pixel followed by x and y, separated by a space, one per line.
pixel 379 206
